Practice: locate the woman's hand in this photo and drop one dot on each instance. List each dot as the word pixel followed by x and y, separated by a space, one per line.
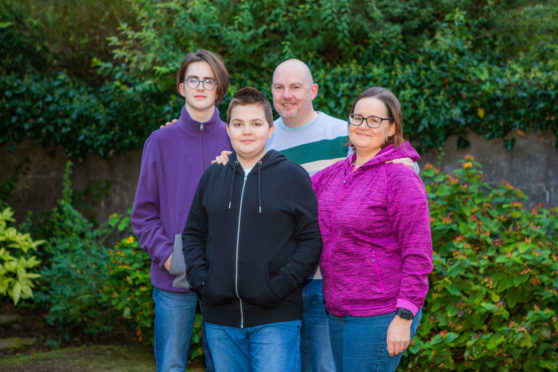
pixel 222 159
pixel 398 335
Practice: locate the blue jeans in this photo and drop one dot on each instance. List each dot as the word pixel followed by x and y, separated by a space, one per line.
pixel 272 347
pixel 315 347
pixel 174 321
pixel 360 343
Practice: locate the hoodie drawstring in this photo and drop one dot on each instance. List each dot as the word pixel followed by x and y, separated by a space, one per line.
pixel 232 183
pixel 260 186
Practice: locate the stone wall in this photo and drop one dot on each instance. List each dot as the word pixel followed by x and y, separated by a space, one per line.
pixel 532 166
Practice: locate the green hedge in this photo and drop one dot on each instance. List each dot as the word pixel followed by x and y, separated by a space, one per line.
pixel 445 91
pixel 60 111
pixel 437 59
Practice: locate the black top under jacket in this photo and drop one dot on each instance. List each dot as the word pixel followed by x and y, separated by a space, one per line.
pixel 249 245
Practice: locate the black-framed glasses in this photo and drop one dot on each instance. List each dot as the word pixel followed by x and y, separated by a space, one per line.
pixel 372 121
pixel 193 82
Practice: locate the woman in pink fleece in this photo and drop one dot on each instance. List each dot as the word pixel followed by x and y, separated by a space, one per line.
pixel 377 250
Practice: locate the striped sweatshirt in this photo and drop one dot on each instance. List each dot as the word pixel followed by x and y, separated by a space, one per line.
pixel 315 145
pixel 375 225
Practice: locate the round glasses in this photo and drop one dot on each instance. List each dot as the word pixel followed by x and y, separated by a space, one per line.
pixel 371 121
pixel 193 82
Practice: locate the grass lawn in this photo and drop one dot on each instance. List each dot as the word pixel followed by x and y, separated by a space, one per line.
pixel 96 358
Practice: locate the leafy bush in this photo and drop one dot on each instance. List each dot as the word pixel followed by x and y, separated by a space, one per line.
pixel 493 299
pixel 18 265
pixel 127 287
pixel 129 290
pixel 73 277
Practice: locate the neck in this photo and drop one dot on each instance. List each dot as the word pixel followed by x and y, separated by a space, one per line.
pixel 251 162
pixel 300 121
pixel 201 116
pixel 363 157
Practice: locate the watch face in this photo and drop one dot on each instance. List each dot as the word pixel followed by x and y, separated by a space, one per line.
pixel 404 314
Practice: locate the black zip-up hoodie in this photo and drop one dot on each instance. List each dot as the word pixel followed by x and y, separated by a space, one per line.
pixel 249 243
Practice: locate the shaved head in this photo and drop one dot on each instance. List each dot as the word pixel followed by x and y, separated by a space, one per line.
pixel 292 66
pixel 293 91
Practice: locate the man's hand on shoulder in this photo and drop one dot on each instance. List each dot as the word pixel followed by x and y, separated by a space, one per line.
pixel 167 123
pixel 222 159
pixel 408 162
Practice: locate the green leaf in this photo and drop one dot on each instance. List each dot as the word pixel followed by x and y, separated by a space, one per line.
pixel 16 293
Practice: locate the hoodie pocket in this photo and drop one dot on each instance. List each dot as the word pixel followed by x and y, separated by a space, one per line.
pixel 375 263
pixel 219 286
pixel 254 283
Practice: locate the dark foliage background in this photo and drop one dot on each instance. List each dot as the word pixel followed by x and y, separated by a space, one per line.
pixel 98 77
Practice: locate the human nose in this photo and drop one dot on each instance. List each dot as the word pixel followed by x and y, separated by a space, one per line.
pixel 287 93
pixel 246 129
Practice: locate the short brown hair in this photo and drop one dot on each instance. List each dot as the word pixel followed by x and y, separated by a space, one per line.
pixel 394 108
pixel 251 96
pixel 217 66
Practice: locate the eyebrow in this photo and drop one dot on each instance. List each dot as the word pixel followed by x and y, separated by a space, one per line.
pixel 252 119
pixel 197 77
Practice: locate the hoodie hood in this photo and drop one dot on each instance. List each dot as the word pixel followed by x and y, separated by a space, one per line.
pixel 270 159
pixel 388 153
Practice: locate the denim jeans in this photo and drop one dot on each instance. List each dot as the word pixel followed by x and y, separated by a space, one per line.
pixel 272 347
pixel 360 343
pixel 315 347
pixel 174 321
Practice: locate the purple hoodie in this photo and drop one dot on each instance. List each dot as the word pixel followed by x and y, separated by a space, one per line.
pixel 377 248
pixel 173 161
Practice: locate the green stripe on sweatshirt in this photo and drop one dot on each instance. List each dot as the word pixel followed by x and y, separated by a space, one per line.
pixel 320 150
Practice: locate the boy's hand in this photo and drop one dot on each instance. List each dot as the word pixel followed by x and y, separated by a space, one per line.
pixel 171 123
pixel 405 161
pixel 168 261
pixel 222 159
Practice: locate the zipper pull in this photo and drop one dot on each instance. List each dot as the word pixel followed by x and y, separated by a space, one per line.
pixel 201 127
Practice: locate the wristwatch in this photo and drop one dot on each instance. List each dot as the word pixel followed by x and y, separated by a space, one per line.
pixel 404 313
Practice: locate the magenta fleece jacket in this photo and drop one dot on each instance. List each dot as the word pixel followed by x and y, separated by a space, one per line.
pixel 375 225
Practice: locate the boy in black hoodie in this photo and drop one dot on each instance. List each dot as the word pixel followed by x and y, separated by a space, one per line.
pixel 251 239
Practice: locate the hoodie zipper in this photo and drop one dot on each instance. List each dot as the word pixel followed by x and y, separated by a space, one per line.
pixel 333 217
pixel 237 249
pixel 202 139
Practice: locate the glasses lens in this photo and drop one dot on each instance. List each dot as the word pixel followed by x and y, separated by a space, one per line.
pixel 355 119
pixel 192 82
pixel 209 83
pixel 373 121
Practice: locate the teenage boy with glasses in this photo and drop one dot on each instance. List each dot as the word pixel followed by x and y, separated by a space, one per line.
pixel 172 163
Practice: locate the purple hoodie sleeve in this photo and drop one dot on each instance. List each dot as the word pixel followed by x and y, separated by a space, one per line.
pixel 410 220
pixel 146 216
